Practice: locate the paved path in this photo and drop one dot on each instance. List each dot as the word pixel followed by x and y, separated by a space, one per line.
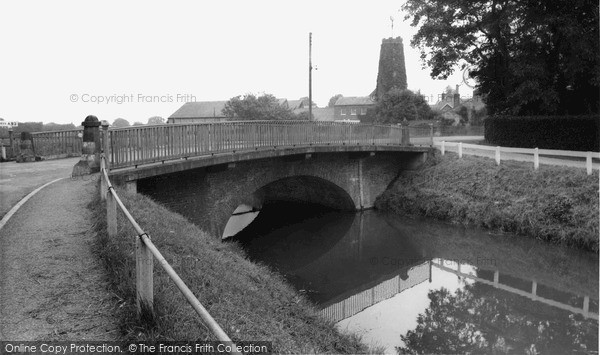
pixel 19 179
pixel 468 139
pixel 52 287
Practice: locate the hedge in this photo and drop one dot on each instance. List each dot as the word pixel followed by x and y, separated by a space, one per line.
pixel 544 132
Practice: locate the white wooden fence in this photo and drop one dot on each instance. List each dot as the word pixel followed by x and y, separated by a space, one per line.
pixel 535 152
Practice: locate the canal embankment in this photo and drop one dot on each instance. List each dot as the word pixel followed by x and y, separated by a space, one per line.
pixel 556 204
pixel 250 301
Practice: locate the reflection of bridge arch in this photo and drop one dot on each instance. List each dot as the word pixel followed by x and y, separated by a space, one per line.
pixel 358 302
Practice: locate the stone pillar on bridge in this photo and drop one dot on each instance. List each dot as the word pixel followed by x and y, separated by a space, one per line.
pixel 26 153
pixel 90 155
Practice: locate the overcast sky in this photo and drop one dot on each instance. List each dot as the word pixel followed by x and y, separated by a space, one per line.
pixel 58 57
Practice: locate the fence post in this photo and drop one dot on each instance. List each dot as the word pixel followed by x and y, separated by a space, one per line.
pixel 144 283
pixel 103 182
pixel 497 155
pixel 105 145
pixel 373 134
pixel 536 159
pixel 588 163
pixel 443 147
pixel 431 134
pixel 460 149
pixel 405 135
pixel 10 139
pixel 111 215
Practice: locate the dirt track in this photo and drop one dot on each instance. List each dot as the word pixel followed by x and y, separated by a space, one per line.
pixel 51 285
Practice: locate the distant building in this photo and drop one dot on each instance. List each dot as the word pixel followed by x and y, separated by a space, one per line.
pixel 321 114
pixel 197 112
pixel 212 111
pixel 450 104
pixel 448 101
pixel 444 105
pixel 392 68
pixel 353 108
pixel 299 104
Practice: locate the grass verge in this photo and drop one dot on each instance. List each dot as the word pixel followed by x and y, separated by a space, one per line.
pixel 249 301
pixel 555 204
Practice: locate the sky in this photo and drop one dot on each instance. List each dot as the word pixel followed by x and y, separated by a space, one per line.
pixel 63 60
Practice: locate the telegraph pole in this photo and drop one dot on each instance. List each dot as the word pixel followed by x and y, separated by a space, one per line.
pixel 310 76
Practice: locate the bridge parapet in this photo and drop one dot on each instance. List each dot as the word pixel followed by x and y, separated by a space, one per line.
pixel 150 144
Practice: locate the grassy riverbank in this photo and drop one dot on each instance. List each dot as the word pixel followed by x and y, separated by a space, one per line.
pixel 556 204
pixel 249 301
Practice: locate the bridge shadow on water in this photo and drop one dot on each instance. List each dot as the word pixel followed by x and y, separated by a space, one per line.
pixel 327 254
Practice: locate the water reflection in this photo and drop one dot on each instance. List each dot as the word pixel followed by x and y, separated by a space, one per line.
pixel 487 317
pixel 418 287
pixel 522 287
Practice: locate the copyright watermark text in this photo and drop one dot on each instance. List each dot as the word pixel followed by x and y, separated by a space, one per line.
pixel 119 99
pixel 169 347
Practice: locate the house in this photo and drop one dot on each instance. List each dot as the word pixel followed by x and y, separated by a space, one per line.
pixel 447 102
pixel 451 104
pixel 211 111
pixel 299 104
pixel 443 105
pixel 319 113
pixel 353 108
pixel 200 111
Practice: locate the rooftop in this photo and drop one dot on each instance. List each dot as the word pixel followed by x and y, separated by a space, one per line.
pixel 354 101
pixel 200 109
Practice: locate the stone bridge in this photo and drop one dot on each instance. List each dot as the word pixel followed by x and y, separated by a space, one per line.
pixel 205 171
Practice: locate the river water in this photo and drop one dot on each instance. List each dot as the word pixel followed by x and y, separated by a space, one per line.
pixel 424 286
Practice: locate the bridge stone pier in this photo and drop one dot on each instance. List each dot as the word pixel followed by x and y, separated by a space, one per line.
pixel 205 172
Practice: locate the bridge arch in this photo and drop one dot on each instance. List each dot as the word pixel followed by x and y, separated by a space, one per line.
pixel 306 189
pixel 302 189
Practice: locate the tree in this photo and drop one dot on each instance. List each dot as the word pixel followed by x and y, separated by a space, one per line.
pixel 156 120
pixel 528 56
pixel 334 99
pixel 137 123
pixel 28 127
pixel 450 91
pixel 480 319
pixel 58 126
pixel 120 122
pixel 303 116
pixel 251 107
pixel 398 105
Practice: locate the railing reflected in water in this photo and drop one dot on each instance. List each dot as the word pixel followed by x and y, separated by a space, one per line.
pixel 349 306
pixel 384 290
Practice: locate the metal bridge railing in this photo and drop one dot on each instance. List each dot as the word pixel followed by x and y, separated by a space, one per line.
pixel 149 144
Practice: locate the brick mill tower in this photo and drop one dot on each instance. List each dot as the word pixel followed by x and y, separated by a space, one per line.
pixel 392 70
